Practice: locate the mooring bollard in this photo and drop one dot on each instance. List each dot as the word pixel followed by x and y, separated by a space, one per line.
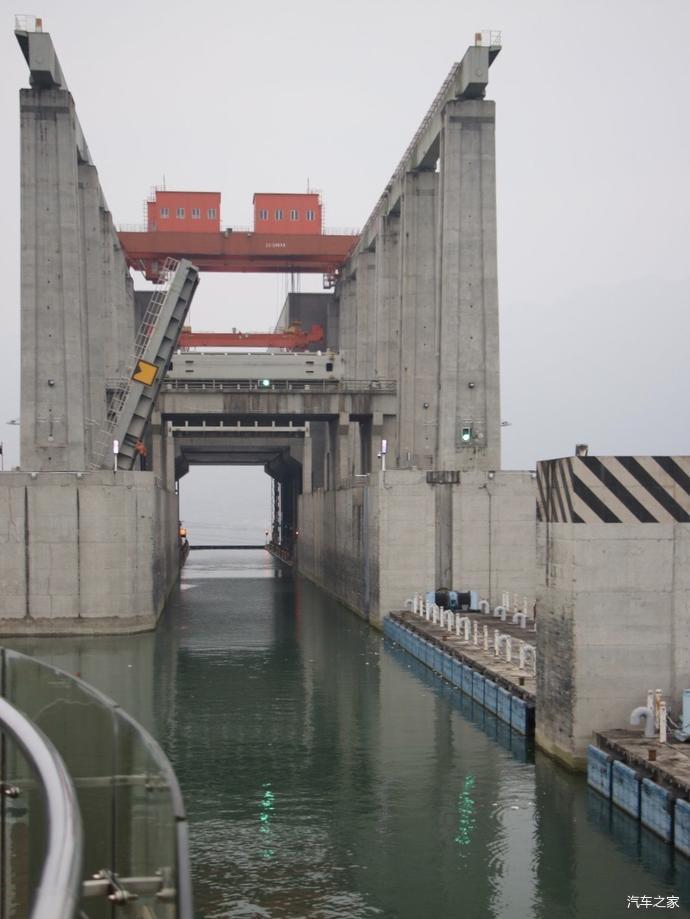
pixel 475 633
pixel 526 649
pixel 509 649
pixel 520 618
pixel 496 636
pixel 662 722
pixel 486 637
pixel 500 612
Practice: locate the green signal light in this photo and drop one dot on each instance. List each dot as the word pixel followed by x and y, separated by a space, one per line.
pixel 466 433
pixel 265 383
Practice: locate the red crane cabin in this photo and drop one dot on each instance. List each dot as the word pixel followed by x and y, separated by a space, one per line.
pixel 298 215
pixel 183 212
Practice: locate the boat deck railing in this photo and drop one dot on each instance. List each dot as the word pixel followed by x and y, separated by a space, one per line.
pixel 91 813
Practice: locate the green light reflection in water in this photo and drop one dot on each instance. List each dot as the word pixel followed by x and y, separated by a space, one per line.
pixel 465 812
pixel 266 809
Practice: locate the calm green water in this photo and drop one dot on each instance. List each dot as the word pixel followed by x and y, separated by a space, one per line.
pixel 327 774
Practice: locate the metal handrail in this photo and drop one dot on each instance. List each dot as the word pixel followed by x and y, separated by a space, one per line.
pixel 59 888
pixel 297 386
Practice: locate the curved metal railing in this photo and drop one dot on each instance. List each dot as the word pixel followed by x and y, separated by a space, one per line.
pixel 59 888
pixel 134 823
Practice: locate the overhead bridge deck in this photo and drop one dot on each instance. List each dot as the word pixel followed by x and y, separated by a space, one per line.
pixel 282 400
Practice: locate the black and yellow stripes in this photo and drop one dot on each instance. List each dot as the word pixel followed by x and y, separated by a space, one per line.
pixel 614 489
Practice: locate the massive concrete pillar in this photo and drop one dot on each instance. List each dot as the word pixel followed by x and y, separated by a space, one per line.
pixel 346 294
pixel 307 463
pixel 468 365
pixel 365 347
pixel 387 294
pixel 417 360
pixel 95 551
pixel 54 399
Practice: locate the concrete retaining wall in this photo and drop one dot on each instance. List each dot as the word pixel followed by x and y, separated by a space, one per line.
pixel 614 621
pixel 375 545
pixel 93 553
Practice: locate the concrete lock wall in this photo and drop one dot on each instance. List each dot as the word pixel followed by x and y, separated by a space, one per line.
pixel 614 621
pixel 374 545
pixel 85 555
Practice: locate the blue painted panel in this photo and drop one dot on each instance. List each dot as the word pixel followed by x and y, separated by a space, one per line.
pixel 656 809
pixel 518 715
pixel 467 679
pixel 388 628
pixel 457 673
pixel 503 707
pixel 625 788
pixel 490 695
pixel 438 660
pixel 681 827
pixel 478 687
pixel 448 666
pixel 599 770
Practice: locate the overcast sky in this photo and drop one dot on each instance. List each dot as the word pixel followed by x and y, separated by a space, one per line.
pixel 593 155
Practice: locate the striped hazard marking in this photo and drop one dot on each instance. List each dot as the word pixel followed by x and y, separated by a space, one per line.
pixel 614 489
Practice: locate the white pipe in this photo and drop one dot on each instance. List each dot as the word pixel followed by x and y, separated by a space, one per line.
pixel 509 648
pixel 464 621
pixel 485 607
pixel 486 637
pixel 640 712
pixel 500 612
pixel 496 637
pixel 409 605
pixel 662 722
pixel 475 633
pixel 526 649
pixel 521 618
pixel 657 702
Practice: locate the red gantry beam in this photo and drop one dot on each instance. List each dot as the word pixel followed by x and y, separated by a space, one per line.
pixel 289 339
pixel 237 251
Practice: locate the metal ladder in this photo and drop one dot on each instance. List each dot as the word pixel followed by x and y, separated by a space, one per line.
pixel 131 401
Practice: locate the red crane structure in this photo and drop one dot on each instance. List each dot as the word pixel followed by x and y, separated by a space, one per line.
pixel 292 339
pixel 187 225
pixel 237 251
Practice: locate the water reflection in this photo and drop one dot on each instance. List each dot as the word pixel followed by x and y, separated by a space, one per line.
pixel 328 773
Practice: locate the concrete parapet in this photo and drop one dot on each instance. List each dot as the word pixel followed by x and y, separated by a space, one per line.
pixel 87 553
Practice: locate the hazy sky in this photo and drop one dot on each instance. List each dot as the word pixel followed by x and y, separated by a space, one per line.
pixel 593 155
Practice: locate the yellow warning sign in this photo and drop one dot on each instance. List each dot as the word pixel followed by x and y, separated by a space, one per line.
pixel 145 373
